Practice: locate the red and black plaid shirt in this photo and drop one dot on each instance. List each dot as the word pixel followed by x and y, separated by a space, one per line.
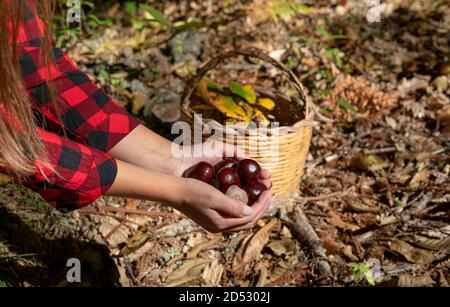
pixel 93 123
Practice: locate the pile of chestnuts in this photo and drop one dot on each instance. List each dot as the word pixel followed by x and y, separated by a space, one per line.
pixel 236 178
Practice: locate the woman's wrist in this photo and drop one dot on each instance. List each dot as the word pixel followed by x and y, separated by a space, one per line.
pixel 144 148
pixel 137 182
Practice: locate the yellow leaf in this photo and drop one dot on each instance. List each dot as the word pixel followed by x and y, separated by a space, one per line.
pixel 262 118
pixel 266 103
pixel 251 93
pixel 202 90
pixel 250 111
pixel 227 106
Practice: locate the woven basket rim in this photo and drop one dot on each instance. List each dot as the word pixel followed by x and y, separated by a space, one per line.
pixel 308 108
pixel 296 127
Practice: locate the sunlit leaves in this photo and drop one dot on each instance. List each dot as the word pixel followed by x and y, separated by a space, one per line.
pixel 227 106
pixel 245 92
pixel 286 9
pixel 266 103
pixel 223 103
pixel 236 101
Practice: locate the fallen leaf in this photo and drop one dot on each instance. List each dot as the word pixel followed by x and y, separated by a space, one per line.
pixel 193 252
pixel 412 85
pixel 362 208
pixel 278 271
pixel 368 162
pixel 407 280
pixel 136 242
pixel 277 247
pixel 212 274
pixel 433 244
pixel 285 232
pixel 419 178
pixel 254 245
pixel 188 271
pixel 411 253
pixel 335 220
pixel 262 279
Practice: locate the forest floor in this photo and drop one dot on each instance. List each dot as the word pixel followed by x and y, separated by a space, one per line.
pixel 376 188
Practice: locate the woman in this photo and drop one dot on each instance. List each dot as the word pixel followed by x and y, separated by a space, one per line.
pixel 63 137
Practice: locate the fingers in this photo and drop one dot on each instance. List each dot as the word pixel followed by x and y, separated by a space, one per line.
pixel 265 174
pixel 260 207
pixel 265 205
pixel 267 183
pixel 232 208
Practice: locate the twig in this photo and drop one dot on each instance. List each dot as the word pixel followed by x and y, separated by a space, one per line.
pixel 379 150
pixel 121 219
pixel 129 269
pixel 113 231
pixel 323 197
pixel 304 232
pixel 341 147
pixel 128 211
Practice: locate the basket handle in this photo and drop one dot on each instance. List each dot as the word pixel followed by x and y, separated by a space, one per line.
pixel 192 84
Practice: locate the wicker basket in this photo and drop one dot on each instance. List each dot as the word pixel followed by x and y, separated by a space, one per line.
pixel 287 164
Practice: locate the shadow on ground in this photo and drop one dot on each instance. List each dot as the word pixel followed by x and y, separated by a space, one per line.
pixel 46 266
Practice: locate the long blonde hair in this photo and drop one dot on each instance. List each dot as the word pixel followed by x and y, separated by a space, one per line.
pixel 20 146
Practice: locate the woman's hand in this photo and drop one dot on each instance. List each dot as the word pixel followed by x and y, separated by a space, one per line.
pixel 217 212
pixel 148 169
pixel 212 209
pixel 200 201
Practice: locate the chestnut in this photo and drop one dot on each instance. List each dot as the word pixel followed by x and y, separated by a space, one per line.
pixel 226 162
pixel 237 193
pixel 249 170
pixel 202 171
pixel 227 177
pixel 254 190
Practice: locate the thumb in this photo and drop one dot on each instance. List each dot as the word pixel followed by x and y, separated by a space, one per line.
pixel 234 208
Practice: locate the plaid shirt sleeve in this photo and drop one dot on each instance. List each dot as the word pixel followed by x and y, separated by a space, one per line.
pixel 93 122
pixel 76 176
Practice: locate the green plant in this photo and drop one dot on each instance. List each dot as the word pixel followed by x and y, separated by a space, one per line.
pixel 325 33
pixel 344 104
pixel 286 9
pixel 336 55
pixel 2 284
pixel 142 15
pixel 362 271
